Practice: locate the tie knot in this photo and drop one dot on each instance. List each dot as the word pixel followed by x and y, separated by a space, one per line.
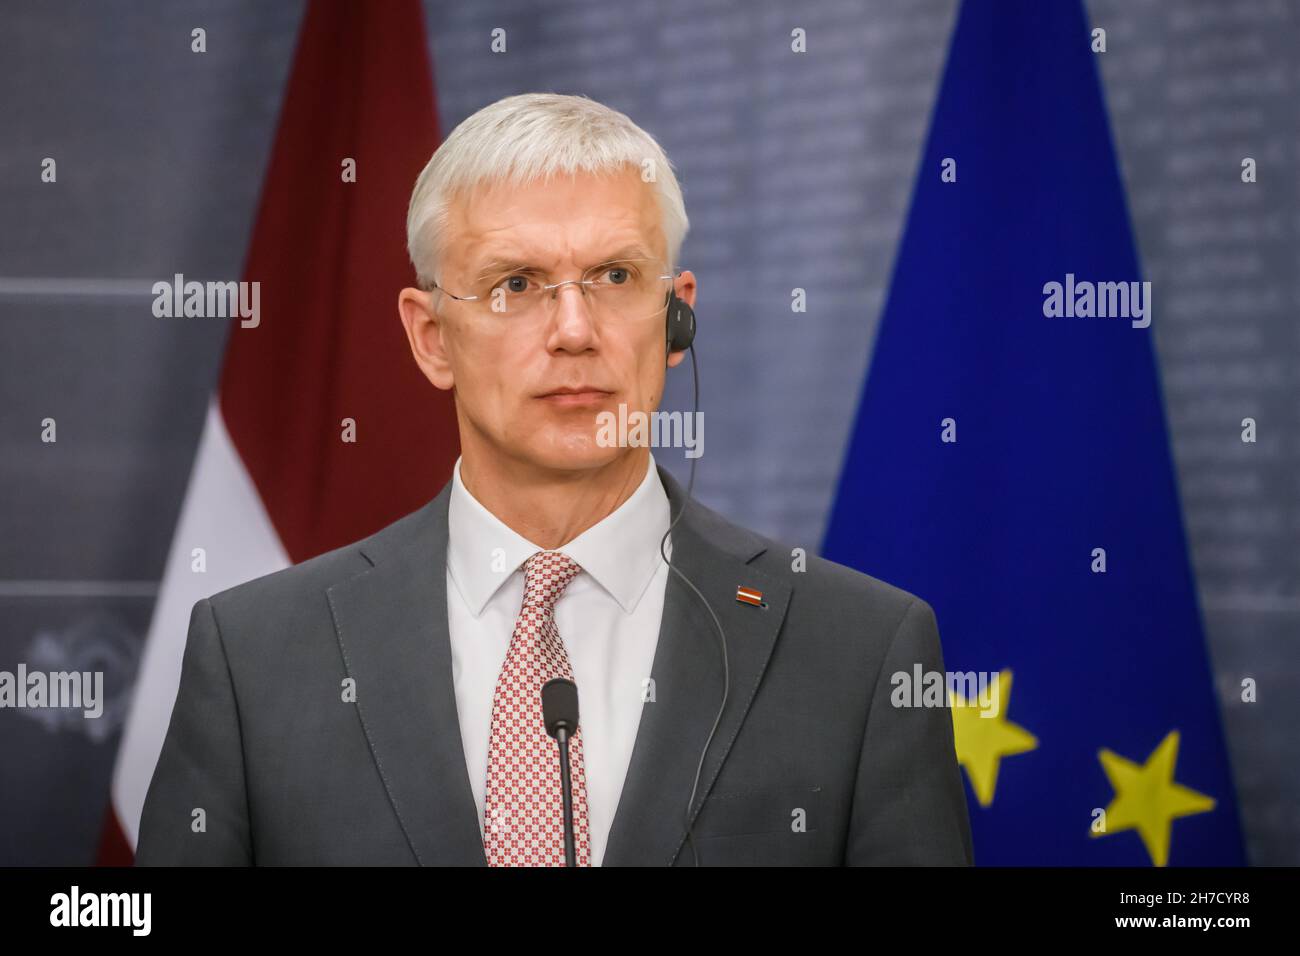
pixel 546 575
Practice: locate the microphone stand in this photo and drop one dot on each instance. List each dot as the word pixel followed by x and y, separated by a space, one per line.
pixel 566 788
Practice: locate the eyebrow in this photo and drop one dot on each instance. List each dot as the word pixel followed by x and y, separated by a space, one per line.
pixel 503 264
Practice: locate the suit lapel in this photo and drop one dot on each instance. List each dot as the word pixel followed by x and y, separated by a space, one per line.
pixel 650 824
pixel 391 623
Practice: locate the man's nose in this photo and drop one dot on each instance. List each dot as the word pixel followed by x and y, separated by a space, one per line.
pixel 574 322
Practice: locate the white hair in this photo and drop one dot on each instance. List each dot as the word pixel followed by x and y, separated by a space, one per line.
pixel 531 137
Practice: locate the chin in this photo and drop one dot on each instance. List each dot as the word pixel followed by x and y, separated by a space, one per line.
pixel 571 450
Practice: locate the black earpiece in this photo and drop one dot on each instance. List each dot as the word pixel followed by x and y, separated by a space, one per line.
pixel 681 324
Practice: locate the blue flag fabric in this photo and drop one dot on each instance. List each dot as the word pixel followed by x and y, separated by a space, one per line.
pixel 1010 464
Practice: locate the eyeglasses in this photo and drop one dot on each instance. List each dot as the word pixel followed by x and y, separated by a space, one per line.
pixel 619 290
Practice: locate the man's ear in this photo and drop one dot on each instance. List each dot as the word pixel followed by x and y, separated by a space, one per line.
pixel 424 330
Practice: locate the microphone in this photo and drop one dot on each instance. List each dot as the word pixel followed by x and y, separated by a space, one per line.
pixel 560 714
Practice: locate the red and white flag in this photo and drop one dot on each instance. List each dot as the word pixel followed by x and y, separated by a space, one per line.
pixel 274 481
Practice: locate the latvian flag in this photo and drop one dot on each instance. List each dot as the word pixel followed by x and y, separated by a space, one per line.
pixel 322 430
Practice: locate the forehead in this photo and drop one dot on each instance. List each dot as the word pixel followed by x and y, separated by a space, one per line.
pixel 571 219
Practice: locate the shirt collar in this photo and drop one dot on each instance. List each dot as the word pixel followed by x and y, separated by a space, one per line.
pixel 620 552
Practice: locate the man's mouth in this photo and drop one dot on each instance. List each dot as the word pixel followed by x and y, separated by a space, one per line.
pixel 576 396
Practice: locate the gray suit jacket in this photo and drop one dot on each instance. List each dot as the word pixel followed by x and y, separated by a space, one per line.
pixel 810 764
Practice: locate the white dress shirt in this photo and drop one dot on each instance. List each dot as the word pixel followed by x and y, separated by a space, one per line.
pixel 608 618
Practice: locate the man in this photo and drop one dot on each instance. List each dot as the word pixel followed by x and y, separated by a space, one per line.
pixel 380 704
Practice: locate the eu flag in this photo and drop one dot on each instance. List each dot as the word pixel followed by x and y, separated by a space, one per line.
pixel 1010 464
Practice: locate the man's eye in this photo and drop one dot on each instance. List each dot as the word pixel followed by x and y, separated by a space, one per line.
pixel 617 275
pixel 514 284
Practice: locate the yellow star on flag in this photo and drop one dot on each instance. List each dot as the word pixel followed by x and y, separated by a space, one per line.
pixel 982 741
pixel 1147 798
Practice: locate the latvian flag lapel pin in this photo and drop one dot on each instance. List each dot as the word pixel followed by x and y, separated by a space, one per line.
pixel 749 596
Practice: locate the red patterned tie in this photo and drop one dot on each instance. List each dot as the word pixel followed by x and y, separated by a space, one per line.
pixel 523 812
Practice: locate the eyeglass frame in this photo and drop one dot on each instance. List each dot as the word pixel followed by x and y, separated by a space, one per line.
pixel 675 273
